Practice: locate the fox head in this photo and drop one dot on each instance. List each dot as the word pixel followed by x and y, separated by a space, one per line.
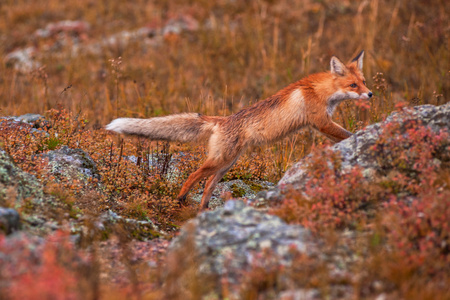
pixel 349 79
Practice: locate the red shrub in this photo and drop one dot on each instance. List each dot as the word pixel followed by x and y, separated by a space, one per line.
pixel 40 269
pixel 420 230
pixel 331 198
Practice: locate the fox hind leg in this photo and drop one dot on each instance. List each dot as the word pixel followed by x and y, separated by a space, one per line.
pixel 215 169
pixel 207 169
pixel 211 184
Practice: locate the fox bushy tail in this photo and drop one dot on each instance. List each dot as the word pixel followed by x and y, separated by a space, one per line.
pixel 185 127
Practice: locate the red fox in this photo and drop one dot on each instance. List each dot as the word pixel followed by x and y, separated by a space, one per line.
pixel 310 101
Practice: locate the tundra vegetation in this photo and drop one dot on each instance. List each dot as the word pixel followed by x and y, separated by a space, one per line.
pixel 388 237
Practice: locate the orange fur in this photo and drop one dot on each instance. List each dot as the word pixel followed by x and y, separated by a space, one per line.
pixel 308 102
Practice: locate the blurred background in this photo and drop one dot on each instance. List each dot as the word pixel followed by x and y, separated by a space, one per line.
pixel 145 58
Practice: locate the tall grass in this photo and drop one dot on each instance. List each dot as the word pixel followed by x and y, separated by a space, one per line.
pixel 243 52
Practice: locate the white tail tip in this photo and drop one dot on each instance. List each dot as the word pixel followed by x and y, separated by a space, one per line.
pixel 117 125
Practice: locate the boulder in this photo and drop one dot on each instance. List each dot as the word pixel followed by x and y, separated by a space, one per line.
pixel 228 240
pixel 71 164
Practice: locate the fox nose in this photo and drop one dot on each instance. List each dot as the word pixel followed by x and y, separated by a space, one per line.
pixel 370 94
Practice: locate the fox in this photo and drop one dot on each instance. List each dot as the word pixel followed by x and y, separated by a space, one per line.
pixel 310 101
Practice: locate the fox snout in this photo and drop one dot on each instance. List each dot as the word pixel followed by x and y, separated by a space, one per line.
pixel 366 96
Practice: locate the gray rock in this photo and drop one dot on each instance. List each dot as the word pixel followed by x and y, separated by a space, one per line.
pixel 23 59
pixel 29 118
pixel 71 164
pixel 28 122
pixel 19 189
pixel 9 220
pixel 356 150
pixel 230 239
pixel 67 26
pixel 300 294
pixel 180 24
pixel 237 189
pixel 135 228
pixel 17 186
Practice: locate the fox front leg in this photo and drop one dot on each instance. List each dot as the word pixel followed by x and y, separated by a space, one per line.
pixel 332 130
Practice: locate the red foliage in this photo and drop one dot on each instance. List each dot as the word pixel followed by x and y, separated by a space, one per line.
pixel 421 230
pixel 40 269
pixel 331 198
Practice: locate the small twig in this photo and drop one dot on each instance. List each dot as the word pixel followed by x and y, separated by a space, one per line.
pixel 65 89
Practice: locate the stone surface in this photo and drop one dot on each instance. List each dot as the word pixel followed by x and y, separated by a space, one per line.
pixel 236 188
pixel 300 294
pixel 34 123
pixel 9 220
pixel 29 118
pixel 71 164
pixel 230 239
pixel 16 186
pixel 23 59
pixel 136 229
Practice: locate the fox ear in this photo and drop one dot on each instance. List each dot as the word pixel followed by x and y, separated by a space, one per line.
pixel 359 60
pixel 337 66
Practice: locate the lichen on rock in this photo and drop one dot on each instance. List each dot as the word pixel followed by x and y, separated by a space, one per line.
pixel 228 240
pixel 71 164
pixel 237 188
pixel 16 185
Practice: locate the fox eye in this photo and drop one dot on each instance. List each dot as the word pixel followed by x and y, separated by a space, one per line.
pixel 353 85
pixel 364 82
